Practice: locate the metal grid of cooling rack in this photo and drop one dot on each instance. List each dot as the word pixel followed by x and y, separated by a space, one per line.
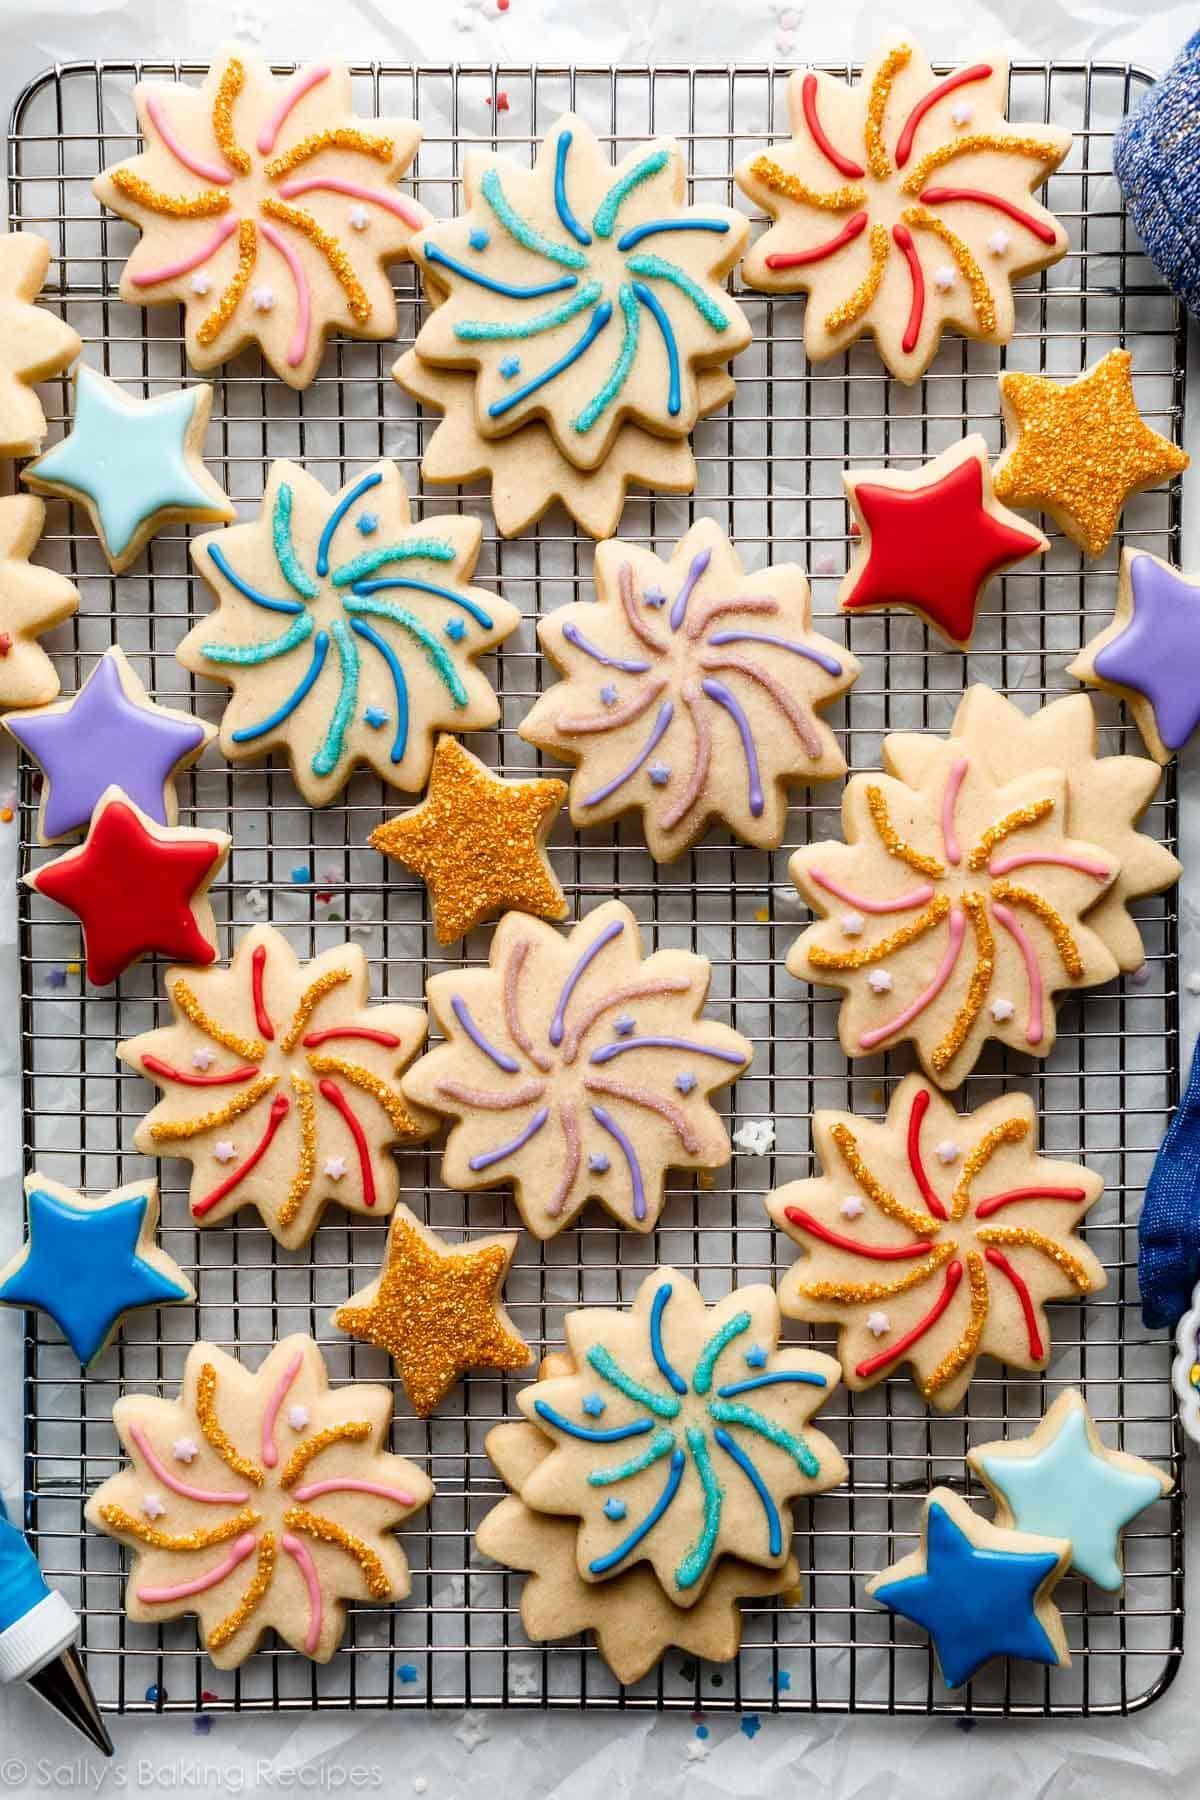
pixel 770 473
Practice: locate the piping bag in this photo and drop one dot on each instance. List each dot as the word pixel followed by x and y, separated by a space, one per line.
pixel 37 1638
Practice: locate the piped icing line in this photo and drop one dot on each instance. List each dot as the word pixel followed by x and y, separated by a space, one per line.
pixel 998 1260
pixel 279 1110
pixel 405 210
pixel 501 1058
pixel 603 1564
pixel 607 1051
pixel 699 623
pixel 487 1158
pixel 1004 865
pixel 562 205
pixel 954 781
pixel 246 734
pixel 609 1434
pixel 607 1123
pixel 637 625
pixel 951 1279
pixel 659 314
pixel 348 1484
pixel 510 290
pixel 605 218
pixel 568 1121
pixel 489 1101
pixel 364 588
pixel 919 896
pixel 1009 922
pixel 298 1551
pixel 1071 1196
pixel 196 165
pixel 796 1215
pixel 512 1006
pixel 912 331
pixel 770 1510
pixel 904 143
pixel 565 255
pixel 153 1065
pixel 805 1377
pixel 662 1361
pixel 689 693
pixel 330 1092
pixel 339 512
pixel 258 969
pixel 235 581
pixel 627 665
pixel 184 265
pixel 942 196
pixel 370 636
pixel 638 990
pixel 298 343
pixel 185 1590
pixel 916 1118
pixel 648 1101
pixel 160 1471
pixel 799 259
pixel 696 570
pixel 844 165
pixel 830 664
pixel 665 714
pixel 585 724
pixel 557 1026
pixel 956 925
pixel 388 1039
pixel 788 705
pixel 580 347
pixel 656 227
pixel 725 698
pixel 270 1452
pixel 303 84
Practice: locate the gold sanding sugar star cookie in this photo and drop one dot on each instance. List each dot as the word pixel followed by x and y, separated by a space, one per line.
pixel 692 692
pixel 32 600
pixel 436 1308
pixel 953 912
pixel 267 209
pixel 933 1239
pixel 576 1070
pixel 632 1620
pixel 479 843
pixel 260 1502
pixel 582 294
pixel 1106 795
pixel 348 632
pixel 681 1434
pixel 280 1085
pixel 1080 449
pixel 903 206
pixel 34 343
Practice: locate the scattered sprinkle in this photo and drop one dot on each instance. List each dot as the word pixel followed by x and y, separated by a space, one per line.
pixel 56 977
pixel 501 101
pixel 472 1732
pixel 750 1725
pixel 408 1672
pixel 756 1357
pixel 702 1731
pixel 202 1724
pixel 851 1207
pixel 6 813
pixel 156 1696
pixel 684 1082
pixel 878 1324
pixel 783 1680
pixel 879 981
pixel 1140 976
pixel 301 874
pixel 762 916
pixel 73 968
pixel 256 902
pixel 947 1152
pixel 756 1136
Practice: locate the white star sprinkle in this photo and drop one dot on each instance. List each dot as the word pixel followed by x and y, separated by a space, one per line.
pixel 962 114
pixel 201 283
pixel 852 1207
pixel 473 1731
pixel 944 279
pixel 878 1324
pixel 879 981
pixel 224 1151
pixel 947 1152
pixel 360 218
pixel 335 1167
pixel 298 1418
pixel 202 1059
pixel 756 1136
pixel 262 299
pixel 998 242
pixel 184 1450
pixel 852 924
pixel 1002 1011
pixel 152 1506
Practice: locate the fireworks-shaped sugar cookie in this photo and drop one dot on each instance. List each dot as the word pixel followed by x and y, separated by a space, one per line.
pixel 903 206
pixel 260 1502
pixel 953 911
pixel 348 633
pixel 582 294
pixel 267 209
pixel 32 600
pixel 934 1239
pixel 576 1070
pixel 280 1085
pixel 681 1435
pixel 34 343
pixel 692 692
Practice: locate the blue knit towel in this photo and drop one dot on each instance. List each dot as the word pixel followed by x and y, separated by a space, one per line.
pixel 1169 1228
pixel 1156 156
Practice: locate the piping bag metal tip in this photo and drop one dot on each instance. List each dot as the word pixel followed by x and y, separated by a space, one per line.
pixel 64 1685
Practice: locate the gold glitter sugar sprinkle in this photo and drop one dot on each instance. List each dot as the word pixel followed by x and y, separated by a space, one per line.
pixel 168 1130
pixel 1017 1237
pixel 856 1293
pixel 981 980
pixel 1054 922
pixel 353 1431
pixel 252 1599
pixel 968 1344
pixel 331 250
pixel 1010 1131
pixel 370 1083
pixel 1013 821
pixel 878 160
pixel 781 181
pixel 1036 149
pixel 894 844
pixel 302 1179
pixel 981 294
pixel 862 957
pixel 210 1425
pixel 211 327
pixel 250 1049
pixel 856 304
pixel 298 1518
pixel 230 87
pixel 885 1200
pixel 204 205
pixel 203 1538
pixel 342 137
pixel 309 1000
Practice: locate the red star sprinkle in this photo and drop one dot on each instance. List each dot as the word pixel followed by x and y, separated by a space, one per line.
pixel 137 888
pixel 932 540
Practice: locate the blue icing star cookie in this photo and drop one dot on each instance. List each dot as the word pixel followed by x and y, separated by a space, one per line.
pixel 88 1262
pixel 979 1590
pixel 1062 1481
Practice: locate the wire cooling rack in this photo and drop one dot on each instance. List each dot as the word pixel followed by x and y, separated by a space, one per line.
pixel 770 473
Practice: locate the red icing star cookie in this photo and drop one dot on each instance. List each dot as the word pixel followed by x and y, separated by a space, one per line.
pixel 932 539
pixel 137 888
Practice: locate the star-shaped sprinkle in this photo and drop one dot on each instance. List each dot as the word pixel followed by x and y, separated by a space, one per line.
pixel 201 283
pixel 783 1680
pixel 185 1450
pixel 931 539
pixel 756 1357
pixel 947 1152
pixel 1150 654
pixel 137 888
pixel 203 1059
pixel 1079 449
pixel 685 1082
pixel 1002 1011
pixel 750 1725
pixel 879 981
pixel 375 717
pixel 299 1418
pixel 659 774
pixel 944 279
pixel 262 299
pixel 109 734
pixel 852 1207
pixel 598 1162
pixel 436 1308
pixel 359 218
pixel 367 523
pixel 978 1590
pixel 697 1750
pixel 478 842
pixel 335 1167
pixel 472 1732
pixel 224 1151
pixel 153 1506
pixel 455 630
pixel 756 1136
pixel 852 924
pixel 88 1262
pixel 878 1324
pixel 478 239
pixel 624 1025
pixel 998 243
pixel 593 1405
pixel 614 1509
pixel 134 464
pixel 1063 1482
pixel 608 694
pixel 510 366
pixel 654 596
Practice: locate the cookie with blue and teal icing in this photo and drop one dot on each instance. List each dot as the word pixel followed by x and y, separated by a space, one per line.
pixel 88 1262
pixel 349 632
pixel 581 293
pixel 682 1435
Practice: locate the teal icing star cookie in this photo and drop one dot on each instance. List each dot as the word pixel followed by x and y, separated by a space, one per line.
pixel 135 465
pixel 1063 1481
pixel 88 1262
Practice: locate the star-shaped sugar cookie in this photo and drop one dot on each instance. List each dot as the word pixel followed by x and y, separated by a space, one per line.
pixel 479 843
pixel 932 539
pixel 978 1590
pixel 436 1308
pixel 34 343
pixel 137 888
pixel 1150 654
pixel 1063 1481
pixel 135 465
pixel 88 1262
pixel 1078 450
pixel 32 600
pixel 108 734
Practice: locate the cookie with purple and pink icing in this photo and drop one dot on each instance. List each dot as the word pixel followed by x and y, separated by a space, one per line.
pixel 577 1069
pixel 260 1501
pixel 1149 656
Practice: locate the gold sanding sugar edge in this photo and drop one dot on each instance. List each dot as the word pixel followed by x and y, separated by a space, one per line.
pixel 229 87
pixel 204 205
pixel 331 250
pixel 336 137
pixel 903 935
pixel 253 1597
pixel 1053 920
pixel 326 1531
pixel 352 1431
pixel 306 1167
pixel 309 1000
pixel 205 1537
pixel 861 1293
pixel 231 298
pixel 1037 149
pixel 878 160
pixel 982 298
pixel 893 843
pixel 1021 1237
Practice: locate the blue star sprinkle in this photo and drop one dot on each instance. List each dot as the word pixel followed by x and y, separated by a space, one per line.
pixel 684 1083
pixel 783 1681
pixel 367 522
pixel 478 239
pixel 660 774
pixel 407 1672
pixel 974 1601
pixel 751 1725
pixel 756 1357
pixel 615 1510
pixel 593 1405
pixel 301 874
pixel 624 1025
pixel 456 631
pixel 510 366
pixel 375 717
pixel 202 1724
pixel 608 694
pixel 56 977
pixel 83 1263
pixel 598 1163
pixel 654 596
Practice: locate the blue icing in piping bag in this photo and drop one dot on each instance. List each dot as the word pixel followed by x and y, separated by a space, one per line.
pixel 1169 1228
pixel 37 1638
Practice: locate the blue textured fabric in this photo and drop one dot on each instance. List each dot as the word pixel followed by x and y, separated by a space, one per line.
pixel 1156 156
pixel 1169 1228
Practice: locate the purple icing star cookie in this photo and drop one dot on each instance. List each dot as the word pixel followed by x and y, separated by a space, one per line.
pixel 1149 655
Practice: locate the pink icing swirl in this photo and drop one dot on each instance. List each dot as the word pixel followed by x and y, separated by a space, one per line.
pixel 160 1471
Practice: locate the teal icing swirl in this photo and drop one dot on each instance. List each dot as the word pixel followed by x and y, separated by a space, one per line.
pixel 294 572
pixel 266 650
pixel 663 1406
pixel 329 754
pixel 732 1412
pixel 661 1444
pixel 604 398
pixel 700 1555
pixel 657 268
pixel 485 331
pixel 430 549
pixel 529 239
pixel 618 193
pixel 443 667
